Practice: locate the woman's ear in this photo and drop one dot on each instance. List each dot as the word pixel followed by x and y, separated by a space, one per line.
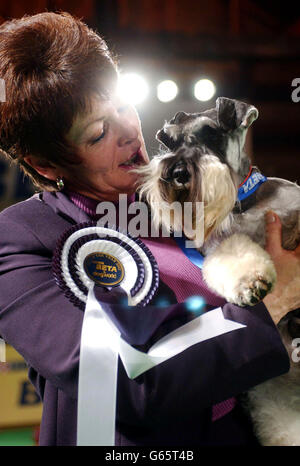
pixel 42 167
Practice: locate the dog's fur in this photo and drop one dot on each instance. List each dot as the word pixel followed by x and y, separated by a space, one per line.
pixel 206 163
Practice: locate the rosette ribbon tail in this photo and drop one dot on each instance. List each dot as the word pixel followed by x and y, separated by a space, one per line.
pixel 97 383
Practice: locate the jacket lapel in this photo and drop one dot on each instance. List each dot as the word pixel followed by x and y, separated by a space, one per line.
pixel 62 206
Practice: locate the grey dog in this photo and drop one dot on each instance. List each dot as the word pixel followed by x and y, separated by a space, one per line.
pixel 206 162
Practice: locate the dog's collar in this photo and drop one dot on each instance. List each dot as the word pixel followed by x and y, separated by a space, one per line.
pixel 248 175
pixel 250 184
pixel 191 253
pixel 247 190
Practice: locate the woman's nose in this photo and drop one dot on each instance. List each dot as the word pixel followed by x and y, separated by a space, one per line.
pixel 128 132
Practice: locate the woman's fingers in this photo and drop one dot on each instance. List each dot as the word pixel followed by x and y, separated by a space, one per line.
pixel 273 234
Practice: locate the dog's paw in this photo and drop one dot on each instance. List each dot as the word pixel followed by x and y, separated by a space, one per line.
pixel 252 289
pixel 240 271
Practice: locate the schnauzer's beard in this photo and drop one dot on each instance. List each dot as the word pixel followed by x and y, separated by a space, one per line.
pixel 210 183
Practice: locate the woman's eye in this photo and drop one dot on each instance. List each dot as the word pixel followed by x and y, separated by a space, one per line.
pixel 94 141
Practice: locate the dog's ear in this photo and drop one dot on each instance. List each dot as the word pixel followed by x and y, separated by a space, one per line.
pixel 233 114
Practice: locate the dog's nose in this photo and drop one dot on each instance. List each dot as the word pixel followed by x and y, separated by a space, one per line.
pixel 180 173
pixel 180 117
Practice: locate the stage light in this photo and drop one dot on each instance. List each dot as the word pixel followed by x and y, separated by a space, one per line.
pixel 204 90
pixel 132 88
pixel 167 91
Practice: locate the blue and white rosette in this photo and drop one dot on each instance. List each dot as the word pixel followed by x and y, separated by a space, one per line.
pixel 90 255
pixel 87 240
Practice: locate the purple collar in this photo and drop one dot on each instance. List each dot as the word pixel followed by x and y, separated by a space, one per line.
pixel 87 204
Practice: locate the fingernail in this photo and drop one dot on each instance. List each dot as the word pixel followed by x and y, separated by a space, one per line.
pixel 270 217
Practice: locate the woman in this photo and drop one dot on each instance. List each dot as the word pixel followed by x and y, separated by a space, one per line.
pixel 62 122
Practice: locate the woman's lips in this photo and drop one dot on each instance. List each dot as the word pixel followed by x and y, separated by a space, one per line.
pixel 134 161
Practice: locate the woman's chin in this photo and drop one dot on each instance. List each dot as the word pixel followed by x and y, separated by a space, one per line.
pixel 128 178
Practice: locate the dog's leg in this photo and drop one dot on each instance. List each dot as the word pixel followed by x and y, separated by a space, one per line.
pixel 274 405
pixel 240 270
pixel 274 408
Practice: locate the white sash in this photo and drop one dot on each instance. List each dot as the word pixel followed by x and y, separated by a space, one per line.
pixel 100 346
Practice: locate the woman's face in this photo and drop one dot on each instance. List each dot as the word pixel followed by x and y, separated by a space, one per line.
pixel 110 145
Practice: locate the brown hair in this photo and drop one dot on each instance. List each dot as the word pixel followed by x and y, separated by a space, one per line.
pixel 51 64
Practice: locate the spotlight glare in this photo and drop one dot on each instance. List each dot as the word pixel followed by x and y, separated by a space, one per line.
pixel 167 91
pixel 132 88
pixel 195 304
pixel 204 90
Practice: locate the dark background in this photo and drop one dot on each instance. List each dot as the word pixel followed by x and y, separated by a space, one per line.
pixel 249 48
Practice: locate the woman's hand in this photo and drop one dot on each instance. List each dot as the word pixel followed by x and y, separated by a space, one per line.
pixel 286 294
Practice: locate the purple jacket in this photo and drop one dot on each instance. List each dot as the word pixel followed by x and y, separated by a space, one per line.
pixel 170 404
